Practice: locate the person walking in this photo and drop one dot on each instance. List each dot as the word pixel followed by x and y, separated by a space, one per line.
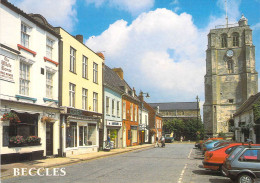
pixel 163 141
pixel 156 143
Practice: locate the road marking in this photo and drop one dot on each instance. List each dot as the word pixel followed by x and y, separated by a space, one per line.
pixel 182 173
pixel 183 170
pixel 189 154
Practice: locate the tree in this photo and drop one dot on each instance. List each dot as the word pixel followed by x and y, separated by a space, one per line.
pixel 190 129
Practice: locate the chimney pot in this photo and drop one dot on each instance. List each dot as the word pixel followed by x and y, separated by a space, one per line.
pixel 79 38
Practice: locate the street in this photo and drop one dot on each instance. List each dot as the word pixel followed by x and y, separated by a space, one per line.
pixel 180 163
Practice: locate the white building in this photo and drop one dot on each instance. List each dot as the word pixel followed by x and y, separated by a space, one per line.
pixel 143 125
pixel 29 84
pixel 246 126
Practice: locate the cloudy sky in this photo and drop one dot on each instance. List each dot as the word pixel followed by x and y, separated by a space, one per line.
pixel 160 44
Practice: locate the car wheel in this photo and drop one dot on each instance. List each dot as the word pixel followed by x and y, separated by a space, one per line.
pixel 245 178
pixel 222 171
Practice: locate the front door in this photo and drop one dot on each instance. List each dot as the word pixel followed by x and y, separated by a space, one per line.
pixel 49 139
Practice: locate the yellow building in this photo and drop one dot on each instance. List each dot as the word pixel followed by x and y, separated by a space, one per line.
pixel 80 91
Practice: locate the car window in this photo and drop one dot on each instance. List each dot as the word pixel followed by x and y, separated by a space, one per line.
pixel 234 152
pixel 219 147
pixel 251 155
pixel 228 150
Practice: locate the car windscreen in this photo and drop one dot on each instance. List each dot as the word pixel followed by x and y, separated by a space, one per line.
pixel 219 147
pixel 234 152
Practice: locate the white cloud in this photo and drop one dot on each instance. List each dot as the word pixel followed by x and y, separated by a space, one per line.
pixel 160 51
pixel 59 12
pixel 133 6
pixel 256 26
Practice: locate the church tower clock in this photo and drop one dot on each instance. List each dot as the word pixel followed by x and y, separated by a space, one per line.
pixel 230 77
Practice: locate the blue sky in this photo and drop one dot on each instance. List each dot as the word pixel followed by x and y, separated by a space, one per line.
pixel 160 44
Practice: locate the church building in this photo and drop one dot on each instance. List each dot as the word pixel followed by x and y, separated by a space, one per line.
pixel 230 77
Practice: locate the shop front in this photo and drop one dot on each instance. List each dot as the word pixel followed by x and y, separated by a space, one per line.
pixel 114 132
pixel 80 131
pixel 25 133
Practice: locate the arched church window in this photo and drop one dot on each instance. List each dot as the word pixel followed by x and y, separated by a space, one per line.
pixel 224 40
pixel 230 65
pixel 235 37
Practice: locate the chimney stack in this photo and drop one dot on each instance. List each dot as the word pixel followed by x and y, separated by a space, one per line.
pixel 101 55
pixel 79 38
pixel 119 72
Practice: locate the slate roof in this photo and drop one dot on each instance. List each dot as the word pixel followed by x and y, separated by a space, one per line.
pixel 112 80
pixel 175 106
pixel 247 105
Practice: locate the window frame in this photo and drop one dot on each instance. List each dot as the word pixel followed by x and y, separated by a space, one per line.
pixel 124 109
pixel 224 41
pixel 72 95
pixel 49 84
pixel 235 39
pixel 95 102
pixel 24 78
pixel 49 47
pixel 25 36
pixel 95 72
pixel 73 57
pixel 84 98
pixel 113 107
pixel 107 105
pixel 118 108
pixel 85 67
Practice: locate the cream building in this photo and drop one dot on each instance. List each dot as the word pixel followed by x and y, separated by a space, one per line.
pixel 81 94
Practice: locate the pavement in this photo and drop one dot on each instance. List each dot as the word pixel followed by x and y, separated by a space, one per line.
pixel 7 169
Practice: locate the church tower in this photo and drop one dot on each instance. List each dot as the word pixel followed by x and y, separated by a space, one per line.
pixel 230 77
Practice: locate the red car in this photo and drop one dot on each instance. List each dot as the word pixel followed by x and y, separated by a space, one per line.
pixel 215 158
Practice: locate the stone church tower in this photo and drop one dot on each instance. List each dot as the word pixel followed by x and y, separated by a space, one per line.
pixel 230 77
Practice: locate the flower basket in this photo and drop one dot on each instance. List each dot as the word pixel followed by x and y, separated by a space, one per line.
pixel 17 141
pixel 33 140
pixel 12 117
pixel 47 119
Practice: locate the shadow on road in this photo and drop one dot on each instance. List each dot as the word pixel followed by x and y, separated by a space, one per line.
pixel 205 172
pixel 223 180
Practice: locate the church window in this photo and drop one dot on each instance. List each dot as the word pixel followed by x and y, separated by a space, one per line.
pixel 223 40
pixel 235 37
pixel 230 65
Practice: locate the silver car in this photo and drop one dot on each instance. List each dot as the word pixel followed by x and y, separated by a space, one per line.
pixel 243 164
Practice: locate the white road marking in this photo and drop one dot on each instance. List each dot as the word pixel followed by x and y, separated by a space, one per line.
pixel 183 170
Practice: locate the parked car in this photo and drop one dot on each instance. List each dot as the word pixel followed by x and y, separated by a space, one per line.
pixel 243 164
pixel 215 157
pixel 210 145
pixel 169 138
pixel 201 142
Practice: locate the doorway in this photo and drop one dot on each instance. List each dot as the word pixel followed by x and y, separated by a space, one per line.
pixel 49 139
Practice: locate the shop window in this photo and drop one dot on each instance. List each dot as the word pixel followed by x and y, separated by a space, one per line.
pixel 71 135
pixel 27 127
pixel 134 136
pixel 83 135
pixel 6 136
pixel 92 134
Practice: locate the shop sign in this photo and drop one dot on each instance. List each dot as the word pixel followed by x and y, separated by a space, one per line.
pixel 114 123
pixel 75 112
pixel 6 68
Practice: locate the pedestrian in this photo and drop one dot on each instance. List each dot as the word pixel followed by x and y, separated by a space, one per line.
pixel 156 143
pixel 162 141
pixel 181 138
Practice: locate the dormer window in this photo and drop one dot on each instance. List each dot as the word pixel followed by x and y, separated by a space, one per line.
pixel 224 40
pixel 235 37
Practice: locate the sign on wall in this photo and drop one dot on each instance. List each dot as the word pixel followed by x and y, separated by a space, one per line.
pixel 6 68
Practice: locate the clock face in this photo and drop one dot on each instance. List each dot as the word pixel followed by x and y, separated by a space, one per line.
pixel 230 53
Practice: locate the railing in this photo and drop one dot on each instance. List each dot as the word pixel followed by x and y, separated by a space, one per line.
pixel 226 26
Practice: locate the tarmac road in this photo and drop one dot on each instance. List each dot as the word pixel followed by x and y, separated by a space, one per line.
pixel 176 163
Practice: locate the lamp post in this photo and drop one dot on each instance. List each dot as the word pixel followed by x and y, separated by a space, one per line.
pixel 141 95
pixel 197 111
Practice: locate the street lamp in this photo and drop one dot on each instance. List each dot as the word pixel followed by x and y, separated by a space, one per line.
pixel 197 111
